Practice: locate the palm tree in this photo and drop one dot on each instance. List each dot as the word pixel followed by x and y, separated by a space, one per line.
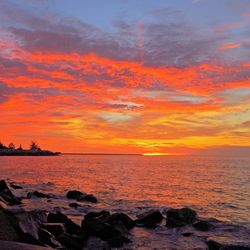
pixel 34 146
pixel 11 146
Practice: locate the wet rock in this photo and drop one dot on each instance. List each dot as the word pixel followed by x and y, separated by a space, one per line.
pixel 74 194
pixel 213 245
pixel 12 245
pixel 16 186
pixel 101 229
pixel 202 226
pixel 37 194
pixel 55 228
pixel 7 230
pixel 180 217
pixel 116 218
pixel 28 224
pixel 149 219
pixel 70 226
pixel 102 215
pixel 71 241
pixel 187 234
pixel 88 198
pixel 95 243
pixel 48 238
pixel 74 205
pixel 7 196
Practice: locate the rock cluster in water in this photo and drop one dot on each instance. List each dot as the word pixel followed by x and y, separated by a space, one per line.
pixel 40 230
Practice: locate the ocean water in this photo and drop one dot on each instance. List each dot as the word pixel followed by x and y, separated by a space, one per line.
pixel 216 187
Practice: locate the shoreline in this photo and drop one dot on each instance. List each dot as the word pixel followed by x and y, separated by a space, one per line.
pixel 171 228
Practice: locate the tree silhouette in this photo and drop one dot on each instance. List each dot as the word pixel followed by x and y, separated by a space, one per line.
pixel 34 146
pixel 11 146
pixel 2 146
pixel 20 147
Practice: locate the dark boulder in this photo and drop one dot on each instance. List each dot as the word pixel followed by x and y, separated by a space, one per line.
pixel 16 186
pixel 74 194
pixel 180 217
pixel 27 225
pixel 71 227
pixel 116 218
pixel 71 241
pixel 187 234
pixel 37 194
pixel 48 238
pixel 74 205
pixel 55 228
pixel 88 198
pixel 102 215
pixel 202 226
pixel 7 230
pixel 7 195
pixel 113 233
pixel 149 219
pixel 213 245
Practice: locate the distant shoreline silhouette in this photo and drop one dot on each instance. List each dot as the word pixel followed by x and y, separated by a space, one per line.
pixel 34 150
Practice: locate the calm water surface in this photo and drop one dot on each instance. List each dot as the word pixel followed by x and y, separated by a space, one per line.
pixel 215 186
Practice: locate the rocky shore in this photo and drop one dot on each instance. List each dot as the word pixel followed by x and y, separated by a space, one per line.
pixel 22 227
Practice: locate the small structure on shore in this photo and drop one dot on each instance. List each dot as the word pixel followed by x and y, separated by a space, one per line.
pixel 34 150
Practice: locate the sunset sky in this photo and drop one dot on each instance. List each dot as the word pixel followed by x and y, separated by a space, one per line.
pixel 126 76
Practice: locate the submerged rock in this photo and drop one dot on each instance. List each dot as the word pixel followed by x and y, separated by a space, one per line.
pixel 37 194
pixel 180 217
pixel 16 186
pixel 88 198
pixel 79 196
pixel 7 196
pixel 74 194
pixel 95 243
pixel 202 226
pixel 149 219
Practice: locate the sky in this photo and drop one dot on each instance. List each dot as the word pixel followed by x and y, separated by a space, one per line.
pixel 126 76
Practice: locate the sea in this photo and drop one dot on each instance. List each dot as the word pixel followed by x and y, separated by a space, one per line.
pixel 216 187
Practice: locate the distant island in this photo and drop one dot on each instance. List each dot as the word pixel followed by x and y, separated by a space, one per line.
pixel 34 150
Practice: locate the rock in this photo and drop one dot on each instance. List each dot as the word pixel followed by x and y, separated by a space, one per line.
pixel 180 217
pixel 55 228
pixel 121 217
pixel 48 238
pixel 213 245
pixel 95 243
pixel 149 219
pixel 37 194
pixel 202 226
pixel 102 215
pixel 7 230
pixel 28 224
pixel 70 226
pixel 74 194
pixel 74 205
pixel 88 198
pixel 16 186
pixel 71 241
pixel 7 195
pixel 234 247
pixel 12 245
pixel 187 234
